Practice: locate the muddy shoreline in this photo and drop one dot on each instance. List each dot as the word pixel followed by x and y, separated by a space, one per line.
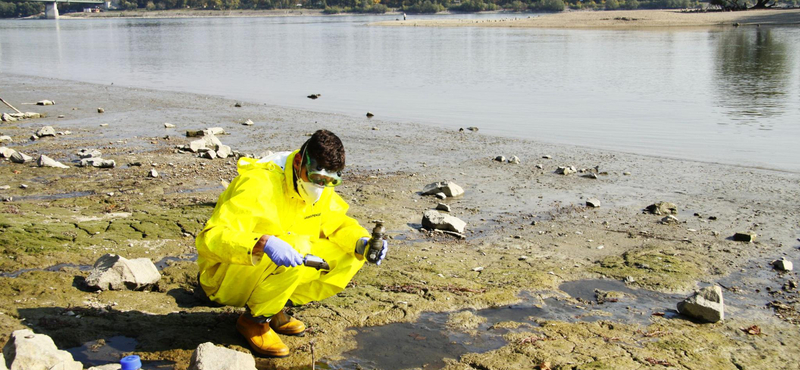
pixel 528 228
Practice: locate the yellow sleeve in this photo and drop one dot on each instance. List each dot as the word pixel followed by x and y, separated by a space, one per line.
pixel 339 228
pixel 229 235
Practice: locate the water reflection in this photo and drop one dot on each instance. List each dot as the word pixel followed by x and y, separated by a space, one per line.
pixel 752 69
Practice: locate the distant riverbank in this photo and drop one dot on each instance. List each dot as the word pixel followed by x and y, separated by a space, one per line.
pixel 620 19
pixel 196 13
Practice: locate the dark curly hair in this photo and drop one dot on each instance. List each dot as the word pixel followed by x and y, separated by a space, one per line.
pixel 327 149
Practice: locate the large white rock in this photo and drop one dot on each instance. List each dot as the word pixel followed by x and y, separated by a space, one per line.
pixel 449 189
pixel 6 152
pixel 28 351
pixel 196 145
pixel 45 161
pixel 432 219
pixel 116 272
pixel 207 356
pixel 706 304
pixel 5 138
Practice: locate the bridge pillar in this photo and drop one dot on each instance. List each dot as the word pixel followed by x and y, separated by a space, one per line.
pixel 51 10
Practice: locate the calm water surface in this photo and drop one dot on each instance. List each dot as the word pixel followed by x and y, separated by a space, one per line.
pixel 721 95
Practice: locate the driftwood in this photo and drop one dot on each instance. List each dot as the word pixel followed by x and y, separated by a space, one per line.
pixel 10 106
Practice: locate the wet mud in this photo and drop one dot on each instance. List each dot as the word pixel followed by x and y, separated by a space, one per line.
pixel 536 283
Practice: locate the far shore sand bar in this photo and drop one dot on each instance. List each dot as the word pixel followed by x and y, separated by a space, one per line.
pixel 620 19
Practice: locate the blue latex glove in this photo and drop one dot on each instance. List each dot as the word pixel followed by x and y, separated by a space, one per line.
pixel 361 247
pixel 282 253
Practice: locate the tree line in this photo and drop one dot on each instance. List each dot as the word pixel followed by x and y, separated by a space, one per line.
pixel 24 9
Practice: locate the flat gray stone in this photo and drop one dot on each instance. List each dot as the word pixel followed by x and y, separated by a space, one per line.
pixel 449 188
pixel 45 102
pixel 207 356
pixel 115 273
pixel 443 207
pixel 566 170
pixel 706 304
pixel 45 161
pixel 248 123
pixel 46 131
pixel 433 220
pixel 662 208
pixel 214 131
pixel 28 351
pixel 89 153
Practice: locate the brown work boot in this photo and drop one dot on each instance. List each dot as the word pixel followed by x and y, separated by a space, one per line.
pixel 284 324
pixel 261 337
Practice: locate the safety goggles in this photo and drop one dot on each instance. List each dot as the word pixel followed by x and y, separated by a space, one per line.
pixel 320 176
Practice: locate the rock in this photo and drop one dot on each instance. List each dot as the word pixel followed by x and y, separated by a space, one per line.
pixel 449 189
pixel 314 96
pixel 432 219
pixel 513 160
pixel 593 203
pixel 783 264
pixel 104 125
pixel 28 351
pixel 196 145
pixel 547 156
pixel 5 117
pixel 500 158
pixel 45 161
pixel 566 170
pixel 168 125
pixel 248 123
pixel 194 133
pixel 34 138
pixel 472 128
pixel 46 131
pixel 113 366
pixel 590 175
pixel 238 105
pixel 440 195
pixel 214 131
pixel 101 110
pixel 443 207
pixel 477 269
pixel 45 102
pixel 375 128
pixel 2 362
pixel 662 208
pixel 89 153
pixel 115 272
pixel 706 304
pixel 626 173
pixel 369 114
pixel 61 116
pixel 98 162
pixel 745 237
pixel 207 356
pixel 670 220
pixel 224 151
pixel 5 138
pixel 209 154
pixel 539 166
pixel 152 173
pixel 6 152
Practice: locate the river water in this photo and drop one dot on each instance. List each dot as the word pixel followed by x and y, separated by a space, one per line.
pixel 725 95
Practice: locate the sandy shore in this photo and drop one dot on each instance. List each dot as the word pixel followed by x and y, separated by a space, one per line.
pixel 620 19
pixel 528 232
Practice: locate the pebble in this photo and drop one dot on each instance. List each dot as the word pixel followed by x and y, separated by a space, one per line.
pixel 23 186
pixel 539 166
pixel 478 269
pixel 101 110
pixel 168 125
pixel 626 173
pixel 547 157
pixel 104 125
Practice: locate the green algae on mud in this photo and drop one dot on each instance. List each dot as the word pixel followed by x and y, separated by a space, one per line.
pixel 660 268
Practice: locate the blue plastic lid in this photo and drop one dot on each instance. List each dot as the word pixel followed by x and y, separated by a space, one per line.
pixel 131 362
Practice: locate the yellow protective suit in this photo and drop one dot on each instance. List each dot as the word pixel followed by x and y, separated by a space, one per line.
pixel 262 200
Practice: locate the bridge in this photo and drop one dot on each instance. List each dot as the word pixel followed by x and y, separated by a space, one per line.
pixel 51 8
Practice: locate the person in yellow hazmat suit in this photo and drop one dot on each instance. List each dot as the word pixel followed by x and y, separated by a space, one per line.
pixel 276 211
